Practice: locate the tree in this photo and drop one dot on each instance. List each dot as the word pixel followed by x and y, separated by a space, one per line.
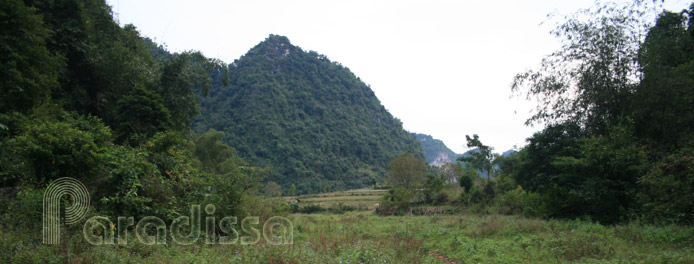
pixel 662 109
pixel 212 155
pixel 54 144
pixel 590 79
pixel 292 190
pixel 467 178
pixel 451 171
pixel 558 140
pixel 481 158
pixel 141 114
pixel 272 189
pixel 432 187
pixel 407 171
pixel 667 192
pixel 226 176
pixel 588 161
pixel 29 70
pixel 182 75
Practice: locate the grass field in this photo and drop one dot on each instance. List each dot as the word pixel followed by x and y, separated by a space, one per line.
pixel 362 237
pixel 361 199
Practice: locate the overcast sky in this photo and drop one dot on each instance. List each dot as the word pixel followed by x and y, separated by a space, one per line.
pixel 442 67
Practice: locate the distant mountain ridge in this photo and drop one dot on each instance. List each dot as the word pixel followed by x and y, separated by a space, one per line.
pixel 435 151
pixel 310 120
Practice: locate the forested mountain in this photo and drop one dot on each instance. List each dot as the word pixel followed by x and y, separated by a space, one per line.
pixel 310 120
pixel 435 151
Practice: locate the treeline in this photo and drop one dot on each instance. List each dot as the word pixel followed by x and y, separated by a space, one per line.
pixel 619 138
pixel 85 98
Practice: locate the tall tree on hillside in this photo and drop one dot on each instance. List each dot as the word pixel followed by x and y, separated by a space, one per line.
pixel 182 76
pixel 28 70
pixel 141 114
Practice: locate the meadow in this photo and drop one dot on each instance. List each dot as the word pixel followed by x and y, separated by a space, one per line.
pixel 359 199
pixel 360 236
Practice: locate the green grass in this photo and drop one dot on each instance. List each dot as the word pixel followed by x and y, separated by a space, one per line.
pixel 361 237
pixel 361 199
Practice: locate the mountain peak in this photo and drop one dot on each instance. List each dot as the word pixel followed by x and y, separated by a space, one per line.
pixel 312 122
pixel 276 40
pixel 275 47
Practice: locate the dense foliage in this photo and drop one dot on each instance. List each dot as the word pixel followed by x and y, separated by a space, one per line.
pixel 310 120
pixel 619 112
pixel 83 97
pixel 618 137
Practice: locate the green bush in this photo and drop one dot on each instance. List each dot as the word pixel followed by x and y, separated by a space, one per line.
pixel 396 201
pixel 24 211
pixel 433 185
pixel 310 208
pixel 667 194
pixel 340 208
pixel 580 176
pixel 441 198
pixel 51 144
pixel 264 207
pixel 519 201
pixel 511 202
pixel 466 180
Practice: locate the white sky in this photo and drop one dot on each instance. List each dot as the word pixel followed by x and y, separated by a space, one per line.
pixel 442 67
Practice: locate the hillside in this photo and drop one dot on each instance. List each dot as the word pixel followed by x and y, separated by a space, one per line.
pixel 310 120
pixel 435 151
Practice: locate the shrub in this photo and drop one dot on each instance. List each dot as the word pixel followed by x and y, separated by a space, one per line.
pixel 433 186
pixel 394 202
pixel 667 193
pixel 466 181
pixel 511 202
pixel 340 208
pixel 310 208
pixel 519 201
pixel 441 198
pixel 51 144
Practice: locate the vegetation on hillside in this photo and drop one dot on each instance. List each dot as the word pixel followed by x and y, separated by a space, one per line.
pixel 610 177
pixel 85 98
pixel 311 121
pixel 435 151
